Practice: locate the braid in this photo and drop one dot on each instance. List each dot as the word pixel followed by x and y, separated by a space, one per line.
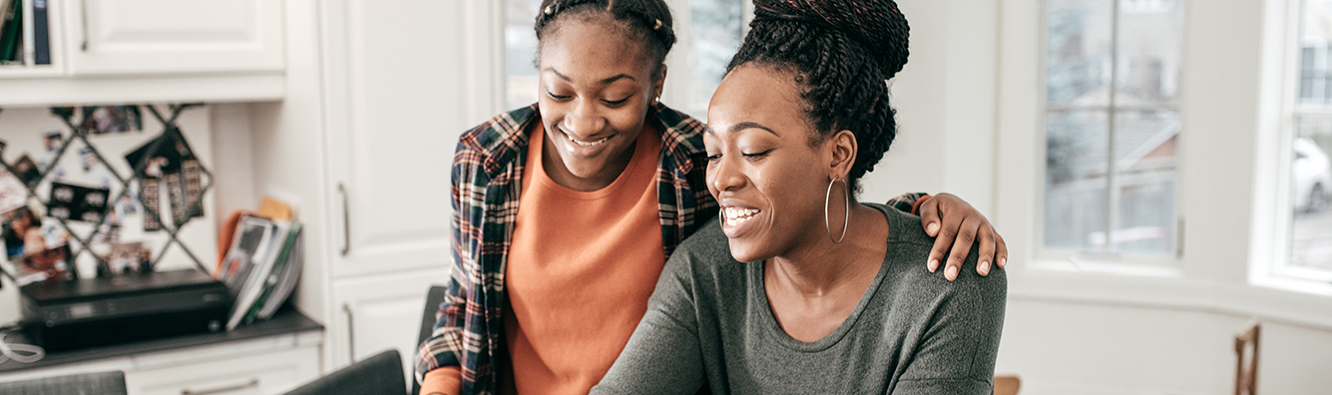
pixel 842 51
pixel 647 21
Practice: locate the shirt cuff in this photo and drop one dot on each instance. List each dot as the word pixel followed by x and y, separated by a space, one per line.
pixel 915 207
pixel 444 380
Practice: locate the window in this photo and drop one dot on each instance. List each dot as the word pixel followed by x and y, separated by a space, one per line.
pixel 1111 125
pixel 1311 171
pixel 520 50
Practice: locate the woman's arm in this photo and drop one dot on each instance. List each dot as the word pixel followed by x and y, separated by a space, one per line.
pixel 663 355
pixel 438 358
pixel 960 333
pixel 957 227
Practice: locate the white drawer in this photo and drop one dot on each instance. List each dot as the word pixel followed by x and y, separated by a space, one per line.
pixel 259 373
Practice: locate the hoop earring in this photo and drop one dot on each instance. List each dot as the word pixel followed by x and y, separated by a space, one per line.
pixel 827 224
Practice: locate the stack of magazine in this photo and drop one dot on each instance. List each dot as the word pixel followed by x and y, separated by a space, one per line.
pixel 261 268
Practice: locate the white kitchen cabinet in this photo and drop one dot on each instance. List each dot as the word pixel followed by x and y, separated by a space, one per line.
pixel 377 95
pixel 379 312
pixel 257 365
pixel 154 51
pixel 173 36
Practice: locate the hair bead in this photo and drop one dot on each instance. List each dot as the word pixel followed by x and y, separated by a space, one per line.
pixel 550 9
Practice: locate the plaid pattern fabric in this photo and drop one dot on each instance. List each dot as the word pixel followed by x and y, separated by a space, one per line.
pixel 487 178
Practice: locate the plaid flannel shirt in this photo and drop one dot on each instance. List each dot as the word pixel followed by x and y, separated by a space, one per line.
pixel 487 178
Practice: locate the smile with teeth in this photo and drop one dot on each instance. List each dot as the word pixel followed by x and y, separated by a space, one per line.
pixel 586 144
pixel 735 216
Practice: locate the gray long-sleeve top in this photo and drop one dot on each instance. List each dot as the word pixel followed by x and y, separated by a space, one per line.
pixel 913 332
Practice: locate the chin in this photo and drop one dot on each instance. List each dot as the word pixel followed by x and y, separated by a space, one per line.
pixel 745 251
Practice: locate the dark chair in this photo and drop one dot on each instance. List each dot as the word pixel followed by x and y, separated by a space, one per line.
pixel 112 383
pixel 380 374
pixel 433 298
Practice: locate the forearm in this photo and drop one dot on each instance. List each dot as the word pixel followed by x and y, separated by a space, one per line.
pixel 446 380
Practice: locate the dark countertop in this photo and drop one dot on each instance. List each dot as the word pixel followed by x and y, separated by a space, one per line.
pixel 285 321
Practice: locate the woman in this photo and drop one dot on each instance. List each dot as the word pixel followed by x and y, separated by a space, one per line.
pixel 830 300
pixel 565 211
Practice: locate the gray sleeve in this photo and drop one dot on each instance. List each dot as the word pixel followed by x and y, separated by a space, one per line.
pixel 961 341
pixel 663 355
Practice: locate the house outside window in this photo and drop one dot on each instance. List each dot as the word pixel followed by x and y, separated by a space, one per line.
pixel 1111 126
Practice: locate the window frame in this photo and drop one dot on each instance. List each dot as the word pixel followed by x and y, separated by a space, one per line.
pixel 1273 265
pixel 1154 265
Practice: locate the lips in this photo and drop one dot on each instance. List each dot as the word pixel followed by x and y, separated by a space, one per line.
pixel 585 143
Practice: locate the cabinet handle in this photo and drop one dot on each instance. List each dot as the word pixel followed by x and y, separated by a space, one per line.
pixel 351 331
pixel 221 390
pixel 346 221
pixel 84 14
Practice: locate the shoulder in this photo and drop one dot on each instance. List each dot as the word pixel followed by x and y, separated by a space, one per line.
pixel 681 134
pixel 908 249
pixel 501 131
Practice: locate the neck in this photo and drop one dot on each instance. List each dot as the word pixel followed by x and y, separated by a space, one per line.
pixel 821 266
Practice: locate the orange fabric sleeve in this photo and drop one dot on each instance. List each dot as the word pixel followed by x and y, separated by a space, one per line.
pixel 915 207
pixel 444 380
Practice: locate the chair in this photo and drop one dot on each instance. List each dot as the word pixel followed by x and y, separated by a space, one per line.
pixel 112 383
pixel 1246 370
pixel 433 298
pixel 380 374
pixel 1006 385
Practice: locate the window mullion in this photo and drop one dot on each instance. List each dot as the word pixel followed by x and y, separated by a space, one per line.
pixel 1112 189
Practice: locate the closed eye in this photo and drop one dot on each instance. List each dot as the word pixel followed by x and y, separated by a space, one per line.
pixel 757 155
pixel 557 97
pixel 615 103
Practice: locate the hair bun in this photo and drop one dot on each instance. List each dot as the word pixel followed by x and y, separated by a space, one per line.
pixel 876 24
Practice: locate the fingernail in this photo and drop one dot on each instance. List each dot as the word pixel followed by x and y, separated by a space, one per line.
pixel 934 265
pixel 983 268
pixel 931 229
pixel 1003 263
pixel 950 273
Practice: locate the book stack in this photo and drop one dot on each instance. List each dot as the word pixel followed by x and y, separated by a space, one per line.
pixel 25 36
pixel 261 267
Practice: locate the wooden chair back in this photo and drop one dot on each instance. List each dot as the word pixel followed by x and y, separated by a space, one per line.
pixel 1246 361
pixel 1006 385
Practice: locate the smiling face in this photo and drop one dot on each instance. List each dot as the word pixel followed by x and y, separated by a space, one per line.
pixel 596 85
pixel 768 179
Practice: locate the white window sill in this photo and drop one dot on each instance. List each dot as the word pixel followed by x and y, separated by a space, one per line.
pixel 1295 302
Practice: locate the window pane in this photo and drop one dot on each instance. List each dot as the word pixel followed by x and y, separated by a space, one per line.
pixel 1311 188
pixel 1075 180
pixel 715 36
pixel 1077 68
pixel 1150 32
pixel 520 46
pixel 1144 182
pixel 1314 71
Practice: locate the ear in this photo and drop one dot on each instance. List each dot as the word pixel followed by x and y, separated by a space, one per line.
pixel 841 150
pixel 659 85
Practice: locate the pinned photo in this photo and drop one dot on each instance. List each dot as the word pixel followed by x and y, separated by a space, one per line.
pixel 111 120
pixel 77 203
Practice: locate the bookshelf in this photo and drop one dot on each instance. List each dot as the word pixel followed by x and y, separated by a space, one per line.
pixel 29 39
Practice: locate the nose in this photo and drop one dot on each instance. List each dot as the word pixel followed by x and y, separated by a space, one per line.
pixel 584 120
pixel 725 175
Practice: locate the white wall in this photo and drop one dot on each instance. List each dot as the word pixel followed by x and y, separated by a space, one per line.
pixel 970 124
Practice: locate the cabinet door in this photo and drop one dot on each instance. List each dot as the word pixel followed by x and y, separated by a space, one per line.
pixel 261 373
pixel 173 36
pixel 377 313
pixel 404 79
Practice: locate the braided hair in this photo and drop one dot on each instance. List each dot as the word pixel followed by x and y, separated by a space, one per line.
pixel 842 52
pixel 645 21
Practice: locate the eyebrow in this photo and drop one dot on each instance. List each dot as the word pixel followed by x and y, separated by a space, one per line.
pixel 742 126
pixel 603 81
